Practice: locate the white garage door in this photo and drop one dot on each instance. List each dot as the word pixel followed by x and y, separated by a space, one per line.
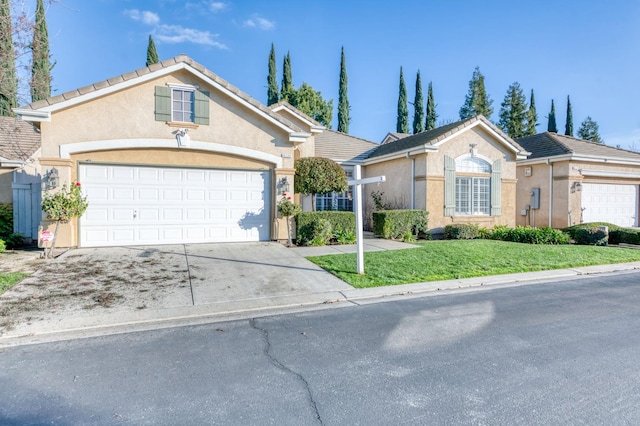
pixel 131 205
pixel 617 204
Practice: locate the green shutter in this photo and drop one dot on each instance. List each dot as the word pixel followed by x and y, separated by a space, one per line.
pixel 496 188
pixel 201 112
pixel 163 103
pixel 449 186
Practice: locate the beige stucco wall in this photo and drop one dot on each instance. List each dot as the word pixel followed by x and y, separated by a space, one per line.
pixel 429 179
pixel 127 116
pixel 566 196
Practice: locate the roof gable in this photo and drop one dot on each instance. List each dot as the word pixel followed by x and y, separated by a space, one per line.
pixel 549 145
pixel 41 110
pixel 430 140
pixel 284 107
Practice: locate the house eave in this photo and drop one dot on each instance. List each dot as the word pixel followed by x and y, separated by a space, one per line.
pixel 298 137
pixel 585 158
pixel 405 153
pixel 33 115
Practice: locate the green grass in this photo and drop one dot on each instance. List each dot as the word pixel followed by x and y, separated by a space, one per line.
pixel 445 260
pixel 9 279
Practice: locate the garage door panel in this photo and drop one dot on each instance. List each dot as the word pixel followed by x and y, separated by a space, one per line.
pixel 154 205
pixel 613 203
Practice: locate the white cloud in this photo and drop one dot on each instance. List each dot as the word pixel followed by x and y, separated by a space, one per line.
pixel 145 16
pixel 174 34
pixel 260 23
pixel 217 6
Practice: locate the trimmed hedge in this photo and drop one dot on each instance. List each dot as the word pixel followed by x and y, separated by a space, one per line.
pixel 324 227
pixel 400 224
pixel 624 235
pixel 572 230
pixel 591 237
pixel 461 231
pixel 528 235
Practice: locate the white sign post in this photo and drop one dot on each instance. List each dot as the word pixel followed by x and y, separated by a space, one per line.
pixel 357 183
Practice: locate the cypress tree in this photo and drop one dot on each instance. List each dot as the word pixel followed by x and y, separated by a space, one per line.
pixel 418 107
pixel 286 89
pixel 8 76
pixel 532 117
pixel 513 111
pixel 402 123
pixel 272 82
pixel 477 101
pixel 568 128
pixel 41 67
pixel 552 127
pixel 430 122
pixel 343 102
pixel 152 53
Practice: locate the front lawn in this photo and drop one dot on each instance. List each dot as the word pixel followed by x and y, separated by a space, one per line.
pixel 9 279
pixel 453 259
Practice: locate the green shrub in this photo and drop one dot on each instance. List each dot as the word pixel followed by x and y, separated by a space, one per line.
pixel 591 236
pixel 6 219
pixel 571 230
pixel 528 235
pixel 342 228
pixel 624 235
pixel 15 240
pixel 398 224
pixel 3 247
pixel 461 231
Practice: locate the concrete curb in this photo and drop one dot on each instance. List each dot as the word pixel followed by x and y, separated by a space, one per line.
pixel 125 322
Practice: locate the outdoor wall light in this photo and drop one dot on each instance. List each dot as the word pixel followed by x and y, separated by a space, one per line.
pixel 473 151
pixel 182 135
pixel 576 186
pixel 51 179
pixel 283 185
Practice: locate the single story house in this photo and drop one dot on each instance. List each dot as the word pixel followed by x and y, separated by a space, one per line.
pixel 462 172
pixel 169 153
pixel 566 181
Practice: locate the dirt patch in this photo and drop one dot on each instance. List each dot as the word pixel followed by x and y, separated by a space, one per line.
pixel 89 280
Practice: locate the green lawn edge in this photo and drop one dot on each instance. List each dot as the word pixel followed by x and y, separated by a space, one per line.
pixel 456 259
pixel 9 279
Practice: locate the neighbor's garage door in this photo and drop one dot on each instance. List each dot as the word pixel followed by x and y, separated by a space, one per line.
pixel 617 204
pixel 131 205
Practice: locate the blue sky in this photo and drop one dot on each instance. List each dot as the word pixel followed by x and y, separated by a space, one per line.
pixel 585 49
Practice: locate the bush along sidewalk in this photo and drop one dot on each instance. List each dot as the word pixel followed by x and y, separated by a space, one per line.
pixel 325 227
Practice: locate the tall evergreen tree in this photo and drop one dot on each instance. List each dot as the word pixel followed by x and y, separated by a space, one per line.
pixel 551 126
pixel 513 112
pixel 311 102
pixel 286 88
pixel 568 128
pixel 477 101
pixel 8 76
pixel 402 122
pixel 430 122
pixel 152 53
pixel 272 81
pixel 532 117
pixel 590 131
pixel 41 65
pixel 418 107
pixel 344 117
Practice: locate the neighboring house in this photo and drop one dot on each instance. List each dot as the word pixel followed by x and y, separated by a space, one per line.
pixel 394 136
pixel 463 172
pixel 170 153
pixel 577 181
pixel 347 151
pixel 19 174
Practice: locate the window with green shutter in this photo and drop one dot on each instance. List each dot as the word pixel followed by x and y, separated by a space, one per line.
pixel 181 104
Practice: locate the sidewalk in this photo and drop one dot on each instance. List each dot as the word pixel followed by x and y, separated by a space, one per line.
pixel 104 322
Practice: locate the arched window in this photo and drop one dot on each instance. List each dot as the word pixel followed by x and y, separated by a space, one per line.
pixel 472 186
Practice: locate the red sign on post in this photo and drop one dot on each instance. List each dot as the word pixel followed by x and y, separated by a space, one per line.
pixel 46 236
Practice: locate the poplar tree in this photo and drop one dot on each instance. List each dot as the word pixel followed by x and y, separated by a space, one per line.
pixel 430 122
pixel 551 126
pixel 532 117
pixel 286 89
pixel 513 111
pixel 8 76
pixel 343 102
pixel 272 82
pixel 477 101
pixel 568 128
pixel 41 66
pixel 418 107
pixel 402 123
pixel 152 53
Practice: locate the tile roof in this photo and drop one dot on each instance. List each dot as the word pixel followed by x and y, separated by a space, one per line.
pixel 341 147
pixel 114 81
pixel 394 136
pixel 432 137
pixel 19 140
pixel 549 144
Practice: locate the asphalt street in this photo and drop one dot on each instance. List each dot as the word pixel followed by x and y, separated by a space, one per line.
pixel 556 353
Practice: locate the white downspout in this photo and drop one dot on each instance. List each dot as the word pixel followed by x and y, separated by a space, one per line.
pixel 550 191
pixel 413 183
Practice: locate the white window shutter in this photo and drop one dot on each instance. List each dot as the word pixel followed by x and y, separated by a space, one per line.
pixel 496 188
pixel 449 186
